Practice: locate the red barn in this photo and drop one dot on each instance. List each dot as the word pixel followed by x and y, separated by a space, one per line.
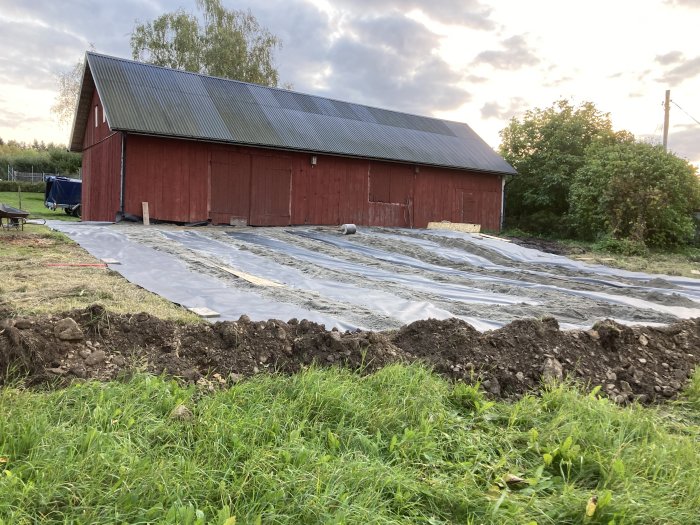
pixel 199 148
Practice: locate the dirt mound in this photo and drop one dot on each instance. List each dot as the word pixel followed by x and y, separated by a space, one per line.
pixel 640 363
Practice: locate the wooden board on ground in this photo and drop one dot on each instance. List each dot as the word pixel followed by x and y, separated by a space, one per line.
pixel 253 279
pixel 464 227
pixel 110 261
pixel 203 311
pixel 494 237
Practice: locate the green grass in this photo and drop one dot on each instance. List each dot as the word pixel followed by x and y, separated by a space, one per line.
pixel 34 204
pixel 399 446
pixel 680 261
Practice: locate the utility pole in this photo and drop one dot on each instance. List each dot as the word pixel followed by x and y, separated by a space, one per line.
pixel 667 107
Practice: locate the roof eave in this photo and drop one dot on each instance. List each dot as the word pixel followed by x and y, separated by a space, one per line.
pixel 320 152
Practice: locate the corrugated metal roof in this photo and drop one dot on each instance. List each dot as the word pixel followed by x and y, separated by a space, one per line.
pixel 147 99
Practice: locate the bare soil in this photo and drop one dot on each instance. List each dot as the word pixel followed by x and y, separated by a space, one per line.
pixel 646 364
pixel 547 245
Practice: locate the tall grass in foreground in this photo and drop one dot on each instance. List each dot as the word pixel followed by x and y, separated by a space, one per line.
pixel 329 446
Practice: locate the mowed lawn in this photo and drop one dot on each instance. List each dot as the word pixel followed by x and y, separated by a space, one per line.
pixel 34 204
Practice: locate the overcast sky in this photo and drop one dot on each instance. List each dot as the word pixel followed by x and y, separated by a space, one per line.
pixel 479 62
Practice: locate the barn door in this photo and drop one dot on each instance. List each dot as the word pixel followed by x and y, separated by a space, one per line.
pixel 230 187
pixel 470 213
pixel 270 195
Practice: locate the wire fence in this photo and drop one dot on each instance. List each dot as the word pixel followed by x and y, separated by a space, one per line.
pixel 26 176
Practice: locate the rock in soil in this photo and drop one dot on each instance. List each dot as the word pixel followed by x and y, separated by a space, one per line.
pixel 553 371
pixel 507 362
pixel 95 358
pixel 68 330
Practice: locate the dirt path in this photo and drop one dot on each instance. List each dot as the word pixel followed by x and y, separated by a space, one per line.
pixel 646 364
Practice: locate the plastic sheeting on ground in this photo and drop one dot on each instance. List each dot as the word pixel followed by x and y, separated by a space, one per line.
pixel 371 279
pixel 683 287
pixel 403 310
pixel 523 254
pixel 447 291
pixel 635 302
pixel 450 291
pixel 169 277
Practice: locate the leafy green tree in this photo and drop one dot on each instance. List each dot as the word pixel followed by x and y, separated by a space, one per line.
pixel 226 43
pixel 546 147
pixel 635 191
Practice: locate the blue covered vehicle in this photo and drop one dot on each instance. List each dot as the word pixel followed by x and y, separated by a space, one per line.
pixel 62 192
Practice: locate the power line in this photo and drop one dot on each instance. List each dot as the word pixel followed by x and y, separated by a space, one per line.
pixel 684 111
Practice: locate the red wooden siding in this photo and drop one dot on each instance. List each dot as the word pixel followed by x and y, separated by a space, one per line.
pixel 457 196
pixel 94 134
pixel 270 191
pixel 230 186
pixel 391 188
pixel 171 175
pixel 101 168
pixel 334 191
pixel 188 181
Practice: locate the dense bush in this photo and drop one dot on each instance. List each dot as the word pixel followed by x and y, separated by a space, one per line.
pixel 577 177
pixel 636 192
pixel 626 247
pixel 546 147
pixel 29 187
pixel 38 158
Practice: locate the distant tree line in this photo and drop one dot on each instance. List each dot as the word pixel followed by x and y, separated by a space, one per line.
pixel 38 157
pixel 579 178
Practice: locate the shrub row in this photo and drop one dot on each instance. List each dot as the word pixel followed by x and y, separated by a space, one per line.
pixel 29 187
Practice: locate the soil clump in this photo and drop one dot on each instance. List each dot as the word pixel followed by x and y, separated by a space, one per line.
pixel 641 363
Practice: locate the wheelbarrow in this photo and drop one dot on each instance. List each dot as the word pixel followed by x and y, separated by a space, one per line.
pixel 12 218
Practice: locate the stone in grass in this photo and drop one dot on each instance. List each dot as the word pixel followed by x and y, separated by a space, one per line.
pixel 181 413
pixel 68 330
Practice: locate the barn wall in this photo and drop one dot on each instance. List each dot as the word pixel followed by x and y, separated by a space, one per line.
pixel 457 196
pixel 339 190
pixel 171 175
pixel 101 168
pixel 334 191
pixel 188 181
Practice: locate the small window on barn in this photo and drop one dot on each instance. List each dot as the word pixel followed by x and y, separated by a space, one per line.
pixel 104 115
pixel 96 116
